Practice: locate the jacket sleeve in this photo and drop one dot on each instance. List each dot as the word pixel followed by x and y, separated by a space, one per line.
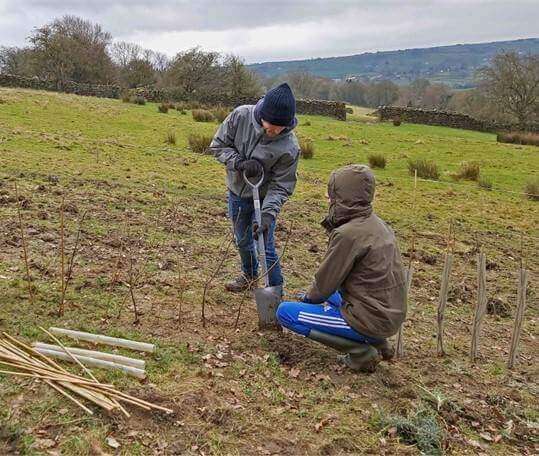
pixel 282 183
pixel 335 267
pixel 222 145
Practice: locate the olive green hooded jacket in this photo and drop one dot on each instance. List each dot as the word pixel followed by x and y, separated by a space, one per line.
pixel 362 259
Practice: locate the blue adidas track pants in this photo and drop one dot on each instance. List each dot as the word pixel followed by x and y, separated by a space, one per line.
pixel 302 317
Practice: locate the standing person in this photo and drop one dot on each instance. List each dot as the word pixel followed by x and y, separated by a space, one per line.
pixel 360 283
pixel 252 140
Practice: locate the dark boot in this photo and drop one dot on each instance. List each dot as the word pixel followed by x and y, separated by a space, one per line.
pixel 359 357
pixel 366 361
pixel 241 283
pixel 385 349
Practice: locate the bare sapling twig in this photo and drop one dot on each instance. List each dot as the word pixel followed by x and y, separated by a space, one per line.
pixel 132 277
pixel 212 276
pixel 444 288
pixel 62 258
pixel 66 277
pixel 248 289
pixel 231 238
pixel 134 274
pixel 71 263
pixel 24 248
pixel 115 272
pixel 182 285
pixel 131 285
pixel 399 344
pixel 481 305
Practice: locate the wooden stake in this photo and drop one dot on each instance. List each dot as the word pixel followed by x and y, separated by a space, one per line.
pixel 481 306
pixel 120 395
pixel 37 375
pixel 399 345
pixel 519 316
pixel 24 249
pixel 444 289
pixel 442 301
pixel 71 398
pixel 47 362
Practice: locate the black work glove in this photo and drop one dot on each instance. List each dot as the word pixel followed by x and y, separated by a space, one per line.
pixel 267 220
pixel 250 167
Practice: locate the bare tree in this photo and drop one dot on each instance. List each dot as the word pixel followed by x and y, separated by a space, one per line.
pixel 123 52
pixel 512 82
pixel 15 60
pixel 423 94
pixel 137 66
pixel 382 93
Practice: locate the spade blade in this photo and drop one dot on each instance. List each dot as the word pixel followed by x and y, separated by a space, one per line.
pixel 267 300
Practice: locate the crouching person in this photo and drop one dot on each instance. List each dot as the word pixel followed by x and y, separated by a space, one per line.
pixel 358 297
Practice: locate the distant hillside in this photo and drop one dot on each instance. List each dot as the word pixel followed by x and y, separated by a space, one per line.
pixel 454 65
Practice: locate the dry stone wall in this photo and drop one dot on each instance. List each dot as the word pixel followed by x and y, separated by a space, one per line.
pixel 434 117
pixel 314 107
pixel 334 109
pixel 92 90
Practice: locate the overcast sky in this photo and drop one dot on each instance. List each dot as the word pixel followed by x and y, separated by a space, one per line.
pixel 266 30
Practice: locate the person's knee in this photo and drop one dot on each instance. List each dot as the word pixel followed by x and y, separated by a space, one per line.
pixel 284 315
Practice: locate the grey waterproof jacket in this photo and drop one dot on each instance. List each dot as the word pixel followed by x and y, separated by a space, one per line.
pixel 240 137
pixel 362 260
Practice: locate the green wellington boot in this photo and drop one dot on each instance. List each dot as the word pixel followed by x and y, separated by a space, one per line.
pixel 386 350
pixel 359 357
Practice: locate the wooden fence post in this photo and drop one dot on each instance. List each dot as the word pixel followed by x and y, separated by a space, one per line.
pixel 444 288
pixel 519 317
pixel 481 306
pixel 399 345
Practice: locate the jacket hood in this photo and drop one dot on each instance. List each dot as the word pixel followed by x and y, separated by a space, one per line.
pixel 257 120
pixel 351 192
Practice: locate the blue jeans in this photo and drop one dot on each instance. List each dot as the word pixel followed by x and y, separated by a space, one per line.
pixel 302 317
pixel 242 213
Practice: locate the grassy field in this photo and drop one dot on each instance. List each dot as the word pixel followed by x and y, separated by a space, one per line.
pixel 235 390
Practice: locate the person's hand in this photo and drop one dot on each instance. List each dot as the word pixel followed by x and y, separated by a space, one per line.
pixel 251 167
pixel 264 227
pixel 302 297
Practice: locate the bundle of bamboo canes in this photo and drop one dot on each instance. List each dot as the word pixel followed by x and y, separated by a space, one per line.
pixel 25 361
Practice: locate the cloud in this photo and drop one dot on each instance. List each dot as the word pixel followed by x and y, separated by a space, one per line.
pixel 281 30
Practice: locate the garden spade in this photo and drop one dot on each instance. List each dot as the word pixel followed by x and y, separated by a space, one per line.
pixel 267 298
